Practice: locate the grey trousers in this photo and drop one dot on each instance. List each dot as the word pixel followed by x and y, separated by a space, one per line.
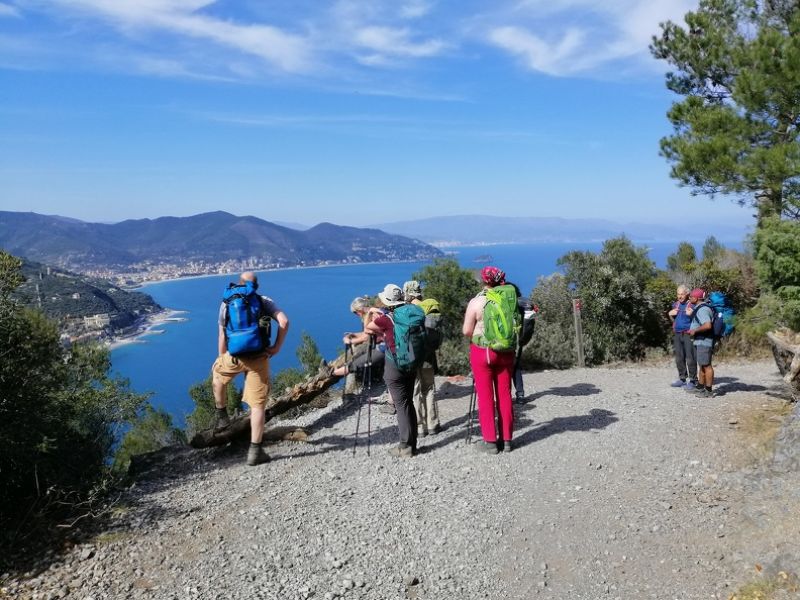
pixel 685 356
pixel 424 401
pixel 401 388
pixel 519 384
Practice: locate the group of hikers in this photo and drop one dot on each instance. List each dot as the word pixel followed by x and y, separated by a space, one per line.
pixel 401 332
pixel 693 319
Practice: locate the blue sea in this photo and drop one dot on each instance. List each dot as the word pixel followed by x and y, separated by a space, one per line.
pixel 317 301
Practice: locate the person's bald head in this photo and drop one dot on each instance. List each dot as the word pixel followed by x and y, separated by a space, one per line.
pixel 248 276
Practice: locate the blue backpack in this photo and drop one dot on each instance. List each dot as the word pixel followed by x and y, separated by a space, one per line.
pixel 409 337
pixel 724 317
pixel 247 326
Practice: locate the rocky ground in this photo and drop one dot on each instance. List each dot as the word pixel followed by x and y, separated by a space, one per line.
pixel 618 487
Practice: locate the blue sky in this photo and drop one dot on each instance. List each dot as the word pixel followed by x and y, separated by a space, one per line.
pixel 350 111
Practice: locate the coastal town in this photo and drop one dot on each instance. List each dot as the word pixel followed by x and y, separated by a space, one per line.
pixel 141 273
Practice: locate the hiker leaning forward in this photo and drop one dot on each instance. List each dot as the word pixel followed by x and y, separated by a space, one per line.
pixel 399 383
pixel 492 371
pixel 362 352
pixel 255 369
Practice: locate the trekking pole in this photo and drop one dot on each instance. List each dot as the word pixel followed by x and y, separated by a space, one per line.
pixel 364 375
pixel 348 348
pixel 471 411
pixel 360 403
pixel 370 348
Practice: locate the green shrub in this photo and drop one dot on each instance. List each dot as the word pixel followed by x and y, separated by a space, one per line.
pixel 619 317
pixel 453 286
pixel 308 354
pixel 152 431
pixel 683 258
pixel 453 357
pixel 777 247
pixel 60 411
pixel 662 293
pixel 286 378
pixel 204 413
pixel 553 342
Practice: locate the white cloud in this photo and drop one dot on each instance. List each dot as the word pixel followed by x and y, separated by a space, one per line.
pixel 6 10
pixel 379 33
pixel 537 54
pixel 396 42
pixel 414 9
pixel 349 41
pixel 285 51
pixel 582 35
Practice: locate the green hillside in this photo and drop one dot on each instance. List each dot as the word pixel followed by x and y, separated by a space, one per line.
pixel 65 296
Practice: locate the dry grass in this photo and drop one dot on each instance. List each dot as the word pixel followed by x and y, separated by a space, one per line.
pixel 777 587
pixel 111 537
pixel 757 427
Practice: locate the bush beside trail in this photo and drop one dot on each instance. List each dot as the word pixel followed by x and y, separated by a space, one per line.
pixel 60 415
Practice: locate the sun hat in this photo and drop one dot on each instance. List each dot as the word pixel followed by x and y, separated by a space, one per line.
pixel 391 295
pixel 493 276
pixel 698 293
pixel 412 289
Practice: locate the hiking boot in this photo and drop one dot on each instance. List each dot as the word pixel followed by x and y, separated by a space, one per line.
pixel 695 389
pixel 256 455
pixel 486 447
pixel 222 421
pixel 387 409
pixel 401 451
pixel 506 446
pixel 706 394
pixel 324 368
pixel 678 383
pixel 519 397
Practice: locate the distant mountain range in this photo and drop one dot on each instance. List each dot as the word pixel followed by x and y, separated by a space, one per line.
pixel 482 229
pixel 206 239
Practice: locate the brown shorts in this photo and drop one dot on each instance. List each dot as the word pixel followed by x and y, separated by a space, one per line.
pixel 256 379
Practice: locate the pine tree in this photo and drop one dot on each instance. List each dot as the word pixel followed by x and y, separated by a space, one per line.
pixel 737 65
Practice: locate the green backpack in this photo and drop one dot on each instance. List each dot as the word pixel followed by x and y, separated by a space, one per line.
pixel 409 337
pixel 501 320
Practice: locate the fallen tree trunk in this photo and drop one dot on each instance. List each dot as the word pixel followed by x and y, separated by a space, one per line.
pixel 786 350
pixel 298 395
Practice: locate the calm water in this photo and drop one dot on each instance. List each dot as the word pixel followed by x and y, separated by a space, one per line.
pixel 316 300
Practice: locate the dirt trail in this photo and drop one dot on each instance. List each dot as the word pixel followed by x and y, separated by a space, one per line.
pixel 618 487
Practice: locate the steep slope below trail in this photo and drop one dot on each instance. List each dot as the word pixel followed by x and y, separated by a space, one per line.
pixel 618 487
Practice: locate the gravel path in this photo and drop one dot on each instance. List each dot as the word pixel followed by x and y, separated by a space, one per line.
pixel 618 487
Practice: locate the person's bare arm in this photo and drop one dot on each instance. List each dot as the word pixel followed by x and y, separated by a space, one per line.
pixel 356 338
pixel 372 329
pixel 222 342
pixel 283 329
pixel 470 320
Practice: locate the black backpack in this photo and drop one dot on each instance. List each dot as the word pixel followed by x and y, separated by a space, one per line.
pixel 528 314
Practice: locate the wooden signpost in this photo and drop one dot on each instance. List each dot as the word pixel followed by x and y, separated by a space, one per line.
pixel 576 312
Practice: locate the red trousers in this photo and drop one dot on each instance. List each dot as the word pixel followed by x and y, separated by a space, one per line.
pixel 493 372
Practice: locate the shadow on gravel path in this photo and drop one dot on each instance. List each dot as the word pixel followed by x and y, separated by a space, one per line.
pixel 597 418
pixel 576 389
